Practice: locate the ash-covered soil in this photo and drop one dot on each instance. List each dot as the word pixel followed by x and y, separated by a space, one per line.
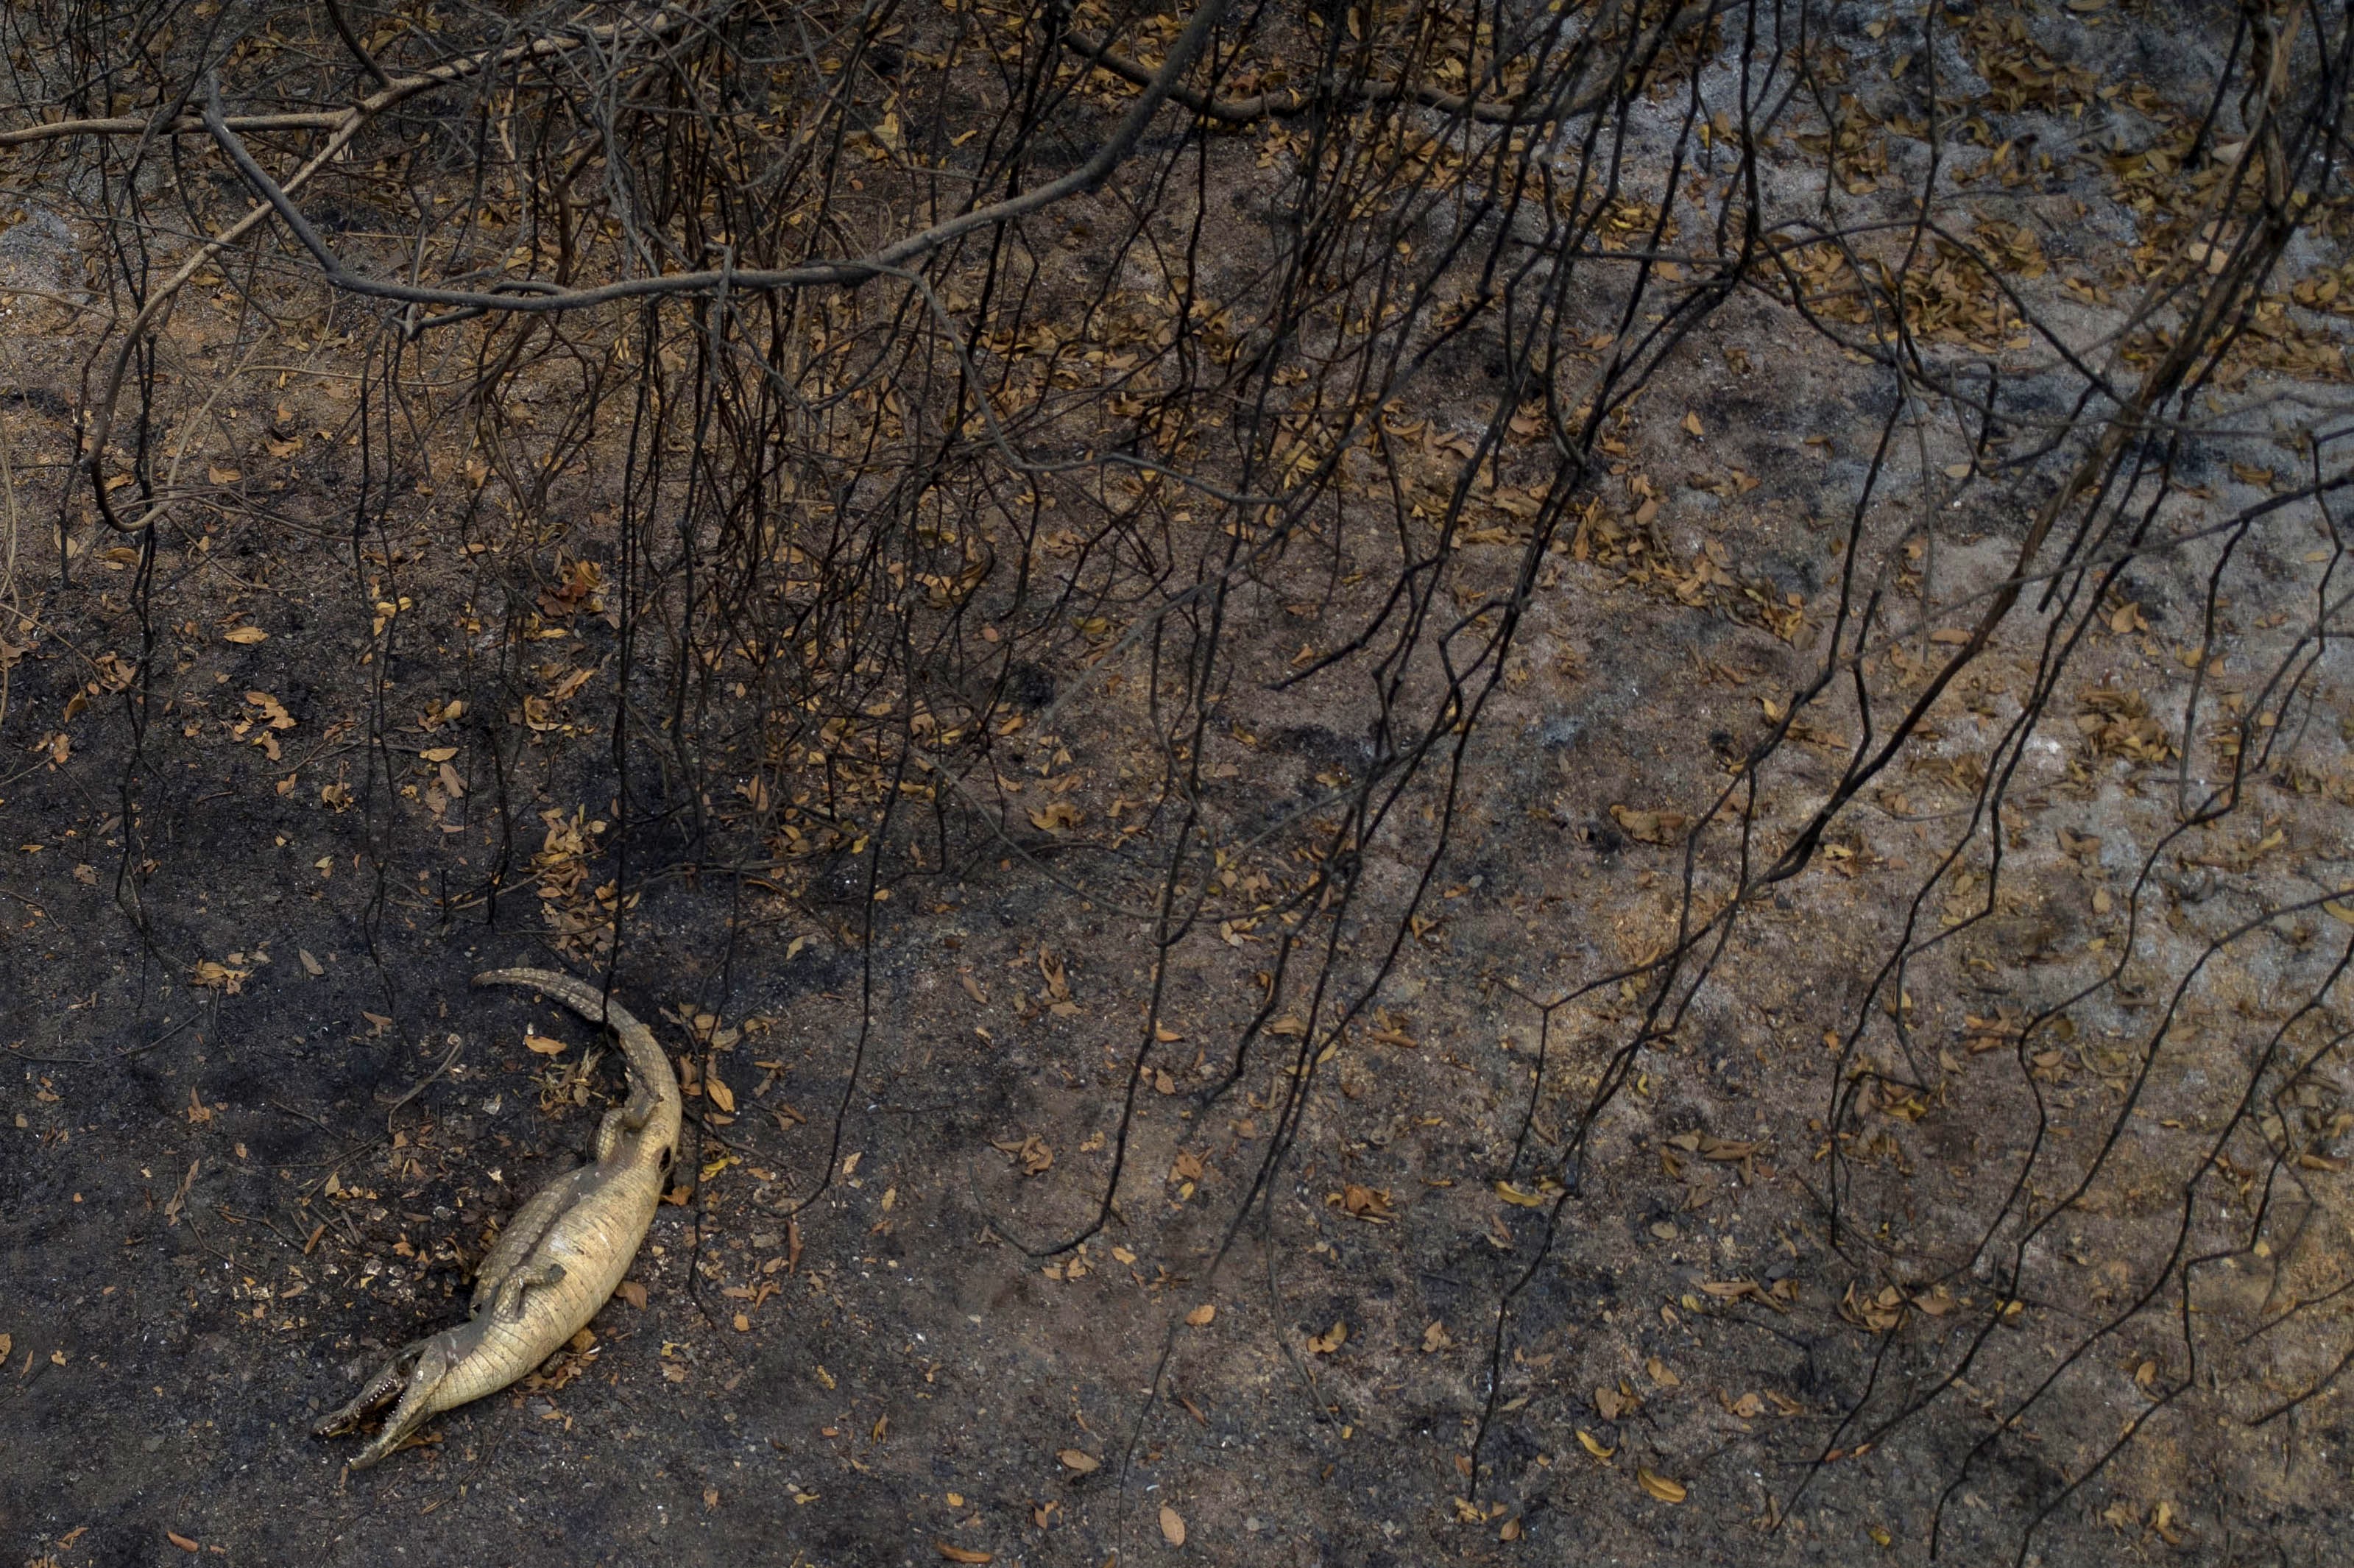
pixel 1540 1270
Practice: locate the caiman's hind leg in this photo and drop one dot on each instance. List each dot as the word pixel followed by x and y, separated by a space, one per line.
pixel 612 1129
pixel 639 1108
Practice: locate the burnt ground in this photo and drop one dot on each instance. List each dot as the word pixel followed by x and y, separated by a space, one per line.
pixel 257 1127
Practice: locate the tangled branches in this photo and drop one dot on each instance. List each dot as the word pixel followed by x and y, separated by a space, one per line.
pixel 1201 465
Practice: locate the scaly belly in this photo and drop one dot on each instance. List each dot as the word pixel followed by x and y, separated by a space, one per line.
pixel 595 1242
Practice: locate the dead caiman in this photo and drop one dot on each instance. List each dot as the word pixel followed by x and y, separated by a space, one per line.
pixel 558 1260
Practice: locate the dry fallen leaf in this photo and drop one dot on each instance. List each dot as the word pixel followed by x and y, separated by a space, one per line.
pixel 633 1293
pixel 311 966
pixel 1033 1153
pixel 1659 1486
pixel 540 1044
pixel 182 1541
pixel 1200 1316
pixel 721 1095
pixel 1054 817
pixel 1172 1526
pixel 963 1553
pixel 212 976
pixel 1650 827
pixel 1594 1444
pixel 244 636
pixel 1080 1461
pixel 1331 1340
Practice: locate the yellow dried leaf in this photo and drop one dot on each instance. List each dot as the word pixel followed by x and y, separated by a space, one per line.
pixel 1080 1461
pixel 721 1095
pixel 1651 827
pixel 1594 1444
pixel 1172 1526
pixel 1054 817
pixel 963 1553
pixel 244 636
pixel 1659 1486
pixel 540 1044
pixel 1201 1316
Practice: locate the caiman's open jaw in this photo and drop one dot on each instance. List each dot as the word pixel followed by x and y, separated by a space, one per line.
pixel 423 1367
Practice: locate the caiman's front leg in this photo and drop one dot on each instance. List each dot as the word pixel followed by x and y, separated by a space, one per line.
pixel 508 1302
pixel 525 1230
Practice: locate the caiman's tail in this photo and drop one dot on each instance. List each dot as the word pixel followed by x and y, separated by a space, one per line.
pixel 647 1063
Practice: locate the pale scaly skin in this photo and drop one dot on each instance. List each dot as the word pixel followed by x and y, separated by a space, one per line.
pixel 559 1257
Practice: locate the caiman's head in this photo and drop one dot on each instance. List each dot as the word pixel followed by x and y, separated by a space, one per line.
pixel 419 1373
